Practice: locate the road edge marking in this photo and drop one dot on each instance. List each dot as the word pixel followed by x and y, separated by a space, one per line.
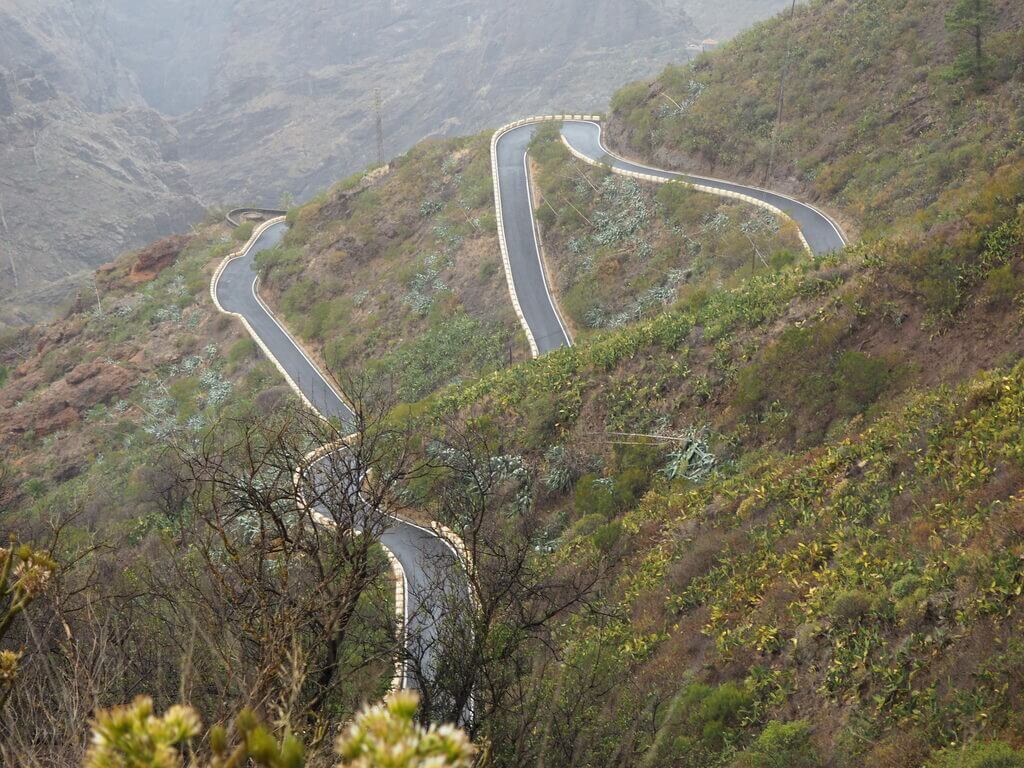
pixel 502 243
pixel 446 535
pixel 684 176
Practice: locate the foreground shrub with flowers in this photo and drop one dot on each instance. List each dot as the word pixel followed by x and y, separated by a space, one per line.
pixel 381 736
pixel 24 573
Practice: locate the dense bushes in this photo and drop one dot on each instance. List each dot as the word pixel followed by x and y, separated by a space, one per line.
pixel 701 721
pixel 806 374
pixel 882 153
pixel 780 744
pixel 946 265
pixel 243 231
pixel 979 754
pixel 609 496
pixel 860 379
pixel 456 344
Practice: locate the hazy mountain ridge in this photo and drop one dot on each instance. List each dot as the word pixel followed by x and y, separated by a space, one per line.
pixel 87 170
pixel 277 121
pixel 239 101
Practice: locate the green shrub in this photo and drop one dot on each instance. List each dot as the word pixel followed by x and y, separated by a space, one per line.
pixel 906 586
pixel 778 745
pixel 185 392
pixel 629 97
pixel 34 488
pixel 912 610
pixel 987 754
pixel 676 200
pixel 542 421
pixel 782 259
pixel 587 525
pixel 607 536
pixel 545 216
pixel 488 269
pixel 851 605
pixel 646 457
pixel 630 485
pixel 793 370
pixel 594 498
pixel 243 232
pixel 750 389
pixel 860 379
pixel 725 705
pixel 1002 286
pixel 280 262
pixel 242 350
pixel 298 299
pixel 939 288
pixel 701 721
pixel 3 375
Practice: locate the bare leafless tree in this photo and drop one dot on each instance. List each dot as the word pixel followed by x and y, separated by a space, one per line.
pixel 494 639
pixel 282 560
pixel 263 584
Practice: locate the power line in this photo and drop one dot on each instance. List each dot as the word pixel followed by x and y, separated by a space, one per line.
pixel 781 99
pixel 380 126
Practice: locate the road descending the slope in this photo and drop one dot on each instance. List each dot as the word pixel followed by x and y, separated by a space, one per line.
pixel 528 282
pixel 429 561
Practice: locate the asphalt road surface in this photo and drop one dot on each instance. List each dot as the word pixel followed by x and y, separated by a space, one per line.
pixel 822 234
pixel 521 240
pixel 517 207
pixel 429 562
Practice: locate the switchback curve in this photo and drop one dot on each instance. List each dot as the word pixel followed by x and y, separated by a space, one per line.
pixel 428 556
pixel 517 230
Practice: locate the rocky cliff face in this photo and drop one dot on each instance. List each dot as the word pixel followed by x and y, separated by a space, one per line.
pixel 296 89
pixel 87 170
pixel 64 47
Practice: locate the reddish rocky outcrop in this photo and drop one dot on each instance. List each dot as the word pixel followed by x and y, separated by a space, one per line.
pixel 63 403
pixel 155 258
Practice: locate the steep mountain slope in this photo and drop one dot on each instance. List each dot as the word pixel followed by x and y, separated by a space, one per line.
pixel 268 100
pixel 796 496
pixel 86 169
pixel 820 557
pixel 68 46
pixel 878 155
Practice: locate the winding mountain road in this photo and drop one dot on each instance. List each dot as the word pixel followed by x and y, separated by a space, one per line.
pixel 428 558
pixel 527 280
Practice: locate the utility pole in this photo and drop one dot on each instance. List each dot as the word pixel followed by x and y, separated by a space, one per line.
pixel 9 249
pixel 380 126
pixel 778 112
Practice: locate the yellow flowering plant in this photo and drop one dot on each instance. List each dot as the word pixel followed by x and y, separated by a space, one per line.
pixel 24 575
pixel 385 735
